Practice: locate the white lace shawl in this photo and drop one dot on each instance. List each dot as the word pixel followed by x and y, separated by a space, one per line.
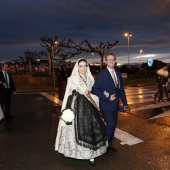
pixel 75 82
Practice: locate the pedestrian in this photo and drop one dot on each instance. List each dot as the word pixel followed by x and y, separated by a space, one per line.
pixel 109 88
pixel 85 138
pixel 164 74
pixel 158 82
pixel 7 87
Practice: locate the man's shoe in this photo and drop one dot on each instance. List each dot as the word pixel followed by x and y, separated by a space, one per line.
pixel 161 101
pixel 1 120
pixel 154 98
pixel 111 149
pixel 92 163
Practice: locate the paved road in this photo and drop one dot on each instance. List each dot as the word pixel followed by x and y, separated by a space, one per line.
pixel 27 140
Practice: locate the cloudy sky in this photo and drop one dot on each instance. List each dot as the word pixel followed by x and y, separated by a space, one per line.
pixel 22 23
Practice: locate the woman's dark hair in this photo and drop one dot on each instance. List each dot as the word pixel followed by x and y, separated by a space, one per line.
pixel 82 60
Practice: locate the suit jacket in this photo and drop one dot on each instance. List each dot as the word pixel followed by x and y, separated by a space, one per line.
pixel 11 83
pixel 104 82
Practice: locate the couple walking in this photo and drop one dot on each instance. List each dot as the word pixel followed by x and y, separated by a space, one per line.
pixel 95 106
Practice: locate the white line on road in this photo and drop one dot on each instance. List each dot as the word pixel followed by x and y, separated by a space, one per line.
pixel 139 101
pixel 126 137
pixel 140 96
pixel 151 106
pixel 139 92
pixel 164 114
pixel 52 98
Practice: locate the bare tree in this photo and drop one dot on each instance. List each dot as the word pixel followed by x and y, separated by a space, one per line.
pixel 29 58
pixel 32 56
pixel 64 49
pixel 53 49
pixel 67 49
pixel 101 49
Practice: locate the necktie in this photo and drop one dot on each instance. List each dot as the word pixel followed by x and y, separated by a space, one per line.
pixel 114 78
pixel 6 80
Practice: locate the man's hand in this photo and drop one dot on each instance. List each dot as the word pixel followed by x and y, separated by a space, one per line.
pixel 127 108
pixel 112 97
pixel 4 84
pixel 88 94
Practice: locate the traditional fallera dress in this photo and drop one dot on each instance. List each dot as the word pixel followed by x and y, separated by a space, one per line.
pixel 86 137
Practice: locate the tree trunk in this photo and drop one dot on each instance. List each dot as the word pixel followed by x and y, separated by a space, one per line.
pixel 49 64
pixel 101 62
pixel 30 66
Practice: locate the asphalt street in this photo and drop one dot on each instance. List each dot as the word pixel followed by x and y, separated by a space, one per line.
pixel 142 137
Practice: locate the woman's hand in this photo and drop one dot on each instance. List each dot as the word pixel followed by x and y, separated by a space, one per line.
pixel 87 93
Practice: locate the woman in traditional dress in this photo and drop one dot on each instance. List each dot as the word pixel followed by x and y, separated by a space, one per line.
pixel 86 137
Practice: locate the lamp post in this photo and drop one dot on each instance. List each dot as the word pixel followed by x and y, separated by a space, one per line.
pixel 140 55
pixel 93 60
pixel 53 55
pixel 38 61
pixel 128 36
pixel 141 60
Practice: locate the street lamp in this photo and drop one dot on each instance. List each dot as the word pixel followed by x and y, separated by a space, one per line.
pixel 93 60
pixel 53 49
pixel 38 61
pixel 128 36
pixel 141 51
pixel 140 60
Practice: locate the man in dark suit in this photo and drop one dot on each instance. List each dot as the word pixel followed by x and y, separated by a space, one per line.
pixel 7 87
pixel 109 88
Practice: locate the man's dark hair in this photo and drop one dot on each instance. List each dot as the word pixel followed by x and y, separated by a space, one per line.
pixel 110 54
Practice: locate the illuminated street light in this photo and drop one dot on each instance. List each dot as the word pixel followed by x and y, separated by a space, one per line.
pixel 141 51
pixel 52 47
pixel 128 36
pixel 141 60
pixel 38 61
pixel 93 60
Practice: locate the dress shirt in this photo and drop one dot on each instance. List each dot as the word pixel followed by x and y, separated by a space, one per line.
pixel 6 79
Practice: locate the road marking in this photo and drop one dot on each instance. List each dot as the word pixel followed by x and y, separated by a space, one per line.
pixel 139 101
pixel 52 98
pixel 151 106
pixel 126 137
pixel 139 92
pixel 140 97
pixel 164 114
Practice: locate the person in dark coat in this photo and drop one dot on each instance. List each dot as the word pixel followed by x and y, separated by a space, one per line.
pixel 7 87
pixel 109 88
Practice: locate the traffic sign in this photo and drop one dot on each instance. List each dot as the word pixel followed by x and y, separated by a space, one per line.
pixel 150 62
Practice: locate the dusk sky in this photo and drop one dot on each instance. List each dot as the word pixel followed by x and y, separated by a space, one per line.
pixel 22 24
